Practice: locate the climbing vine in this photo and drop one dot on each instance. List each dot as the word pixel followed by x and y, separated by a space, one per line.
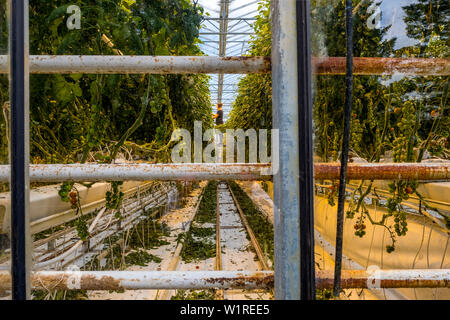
pixel 114 198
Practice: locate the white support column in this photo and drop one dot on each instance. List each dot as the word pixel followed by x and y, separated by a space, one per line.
pixel 285 119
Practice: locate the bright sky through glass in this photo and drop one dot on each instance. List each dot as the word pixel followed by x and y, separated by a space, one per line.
pixel 237 42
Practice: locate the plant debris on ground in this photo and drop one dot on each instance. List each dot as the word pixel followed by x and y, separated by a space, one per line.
pixel 259 223
pixel 194 295
pixel 201 248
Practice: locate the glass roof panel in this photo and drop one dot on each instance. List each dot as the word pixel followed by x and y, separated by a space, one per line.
pixel 226 31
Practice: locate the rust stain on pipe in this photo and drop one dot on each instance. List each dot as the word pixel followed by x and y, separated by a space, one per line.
pixel 361 279
pixel 201 64
pixel 5 281
pixel 167 172
pixel 351 279
pixel 380 66
pixel 259 280
pixel 62 282
pixel 103 283
pixel 378 171
pixel 49 282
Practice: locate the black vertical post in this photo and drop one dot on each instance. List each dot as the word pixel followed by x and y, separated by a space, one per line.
pixel 305 123
pixel 345 147
pixel 19 149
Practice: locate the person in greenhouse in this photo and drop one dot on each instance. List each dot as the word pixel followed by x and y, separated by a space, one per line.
pixel 219 115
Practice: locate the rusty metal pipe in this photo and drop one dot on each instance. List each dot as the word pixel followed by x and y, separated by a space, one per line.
pixel 224 171
pixel 173 64
pixel 137 280
pixel 363 279
pixel 231 65
pixel 383 66
pixel 385 171
pixel 140 280
pixel 140 172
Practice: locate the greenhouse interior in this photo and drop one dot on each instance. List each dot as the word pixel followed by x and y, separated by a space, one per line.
pixel 224 150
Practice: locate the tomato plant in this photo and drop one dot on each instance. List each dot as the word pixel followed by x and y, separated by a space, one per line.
pixel 394 118
pixel 97 117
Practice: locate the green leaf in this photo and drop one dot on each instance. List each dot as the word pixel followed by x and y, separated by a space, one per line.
pixel 77 90
pixel 58 12
pixel 76 76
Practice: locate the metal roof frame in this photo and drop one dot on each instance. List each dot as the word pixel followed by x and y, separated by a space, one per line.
pixel 227 32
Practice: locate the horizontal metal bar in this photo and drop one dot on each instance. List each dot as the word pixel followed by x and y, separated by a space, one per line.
pixel 225 171
pixel 232 41
pixel 230 19
pixel 414 278
pixel 230 65
pixel 251 3
pixel 385 171
pixel 136 280
pixel 69 215
pixel 144 64
pixel 140 172
pixel 226 33
pixel 382 66
pixel 139 280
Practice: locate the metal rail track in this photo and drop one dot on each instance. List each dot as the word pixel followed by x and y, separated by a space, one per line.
pixel 241 226
pixel 255 243
pixel 222 294
pixel 132 215
pixel 164 294
pixel 59 243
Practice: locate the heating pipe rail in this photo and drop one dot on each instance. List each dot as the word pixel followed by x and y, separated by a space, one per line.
pixel 224 171
pixel 152 280
pixel 52 64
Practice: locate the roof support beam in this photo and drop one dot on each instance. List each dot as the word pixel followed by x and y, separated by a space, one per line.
pixel 224 9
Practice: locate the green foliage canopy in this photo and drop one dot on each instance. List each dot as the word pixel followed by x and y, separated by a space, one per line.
pixel 91 117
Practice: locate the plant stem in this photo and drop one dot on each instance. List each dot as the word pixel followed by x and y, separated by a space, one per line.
pixel 135 125
pixel 435 125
